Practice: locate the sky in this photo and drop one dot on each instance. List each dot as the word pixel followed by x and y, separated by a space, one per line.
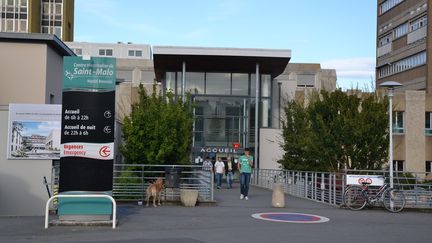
pixel 39 128
pixel 338 34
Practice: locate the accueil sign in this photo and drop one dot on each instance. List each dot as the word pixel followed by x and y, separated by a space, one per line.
pixel 218 150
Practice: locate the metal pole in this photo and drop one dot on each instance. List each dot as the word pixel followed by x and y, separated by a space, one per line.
pixel 183 80
pixel 257 79
pixel 390 95
pixel 245 129
pixel 279 105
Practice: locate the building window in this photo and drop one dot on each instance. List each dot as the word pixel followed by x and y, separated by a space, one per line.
pixel 240 84
pixel 385 40
pixel 78 51
pixel 149 77
pixel 105 52
pixel 124 75
pixel 428 166
pixel 305 80
pixel 398 165
pixel 401 30
pixel 218 83
pixel 398 122
pixel 52 12
pixel 428 123
pixel 418 23
pixel 135 53
pixel 402 65
pixel 387 5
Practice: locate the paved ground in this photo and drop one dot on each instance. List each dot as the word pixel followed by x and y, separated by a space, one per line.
pixel 231 221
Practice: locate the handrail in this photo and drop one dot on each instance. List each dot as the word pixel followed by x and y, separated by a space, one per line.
pixel 82 196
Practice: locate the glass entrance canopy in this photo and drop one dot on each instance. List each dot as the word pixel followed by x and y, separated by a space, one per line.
pixel 225 84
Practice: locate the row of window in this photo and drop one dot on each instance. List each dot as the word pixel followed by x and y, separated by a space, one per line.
pixel 403 29
pixel 402 65
pixel 13 25
pixel 241 84
pixel 398 122
pixel 109 52
pixel 388 4
pixel 135 53
pixel 106 52
pixel 418 23
pixel 399 165
pixel 13 15
pixel 52 12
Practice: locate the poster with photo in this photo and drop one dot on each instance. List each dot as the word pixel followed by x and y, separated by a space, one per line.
pixel 34 131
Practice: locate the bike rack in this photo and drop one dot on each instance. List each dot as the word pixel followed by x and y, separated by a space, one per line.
pixel 114 213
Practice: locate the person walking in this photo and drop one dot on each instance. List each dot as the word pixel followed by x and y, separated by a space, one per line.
pixel 207 165
pixel 245 165
pixel 219 170
pixel 230 172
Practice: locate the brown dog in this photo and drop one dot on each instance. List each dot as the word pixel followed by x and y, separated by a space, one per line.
pixel 155 190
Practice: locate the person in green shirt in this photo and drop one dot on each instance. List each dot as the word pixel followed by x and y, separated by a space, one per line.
pixel 245 165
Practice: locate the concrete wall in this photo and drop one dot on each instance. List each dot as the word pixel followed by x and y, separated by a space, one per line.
pixel 29 73
pixel 413 146
pixel 54 77
pixel 415 130
pixel 22 192
pixel 120 50
pixel 22 73
pixel 270 150
pixel 137 67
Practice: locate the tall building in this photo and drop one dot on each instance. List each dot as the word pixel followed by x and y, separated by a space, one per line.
pixel 402 43
pixel 38 16
pixel 403 40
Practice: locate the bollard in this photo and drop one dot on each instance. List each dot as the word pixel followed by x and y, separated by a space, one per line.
pixel 278 197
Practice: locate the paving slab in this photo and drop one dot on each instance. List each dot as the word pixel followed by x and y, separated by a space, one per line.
pixel 230 220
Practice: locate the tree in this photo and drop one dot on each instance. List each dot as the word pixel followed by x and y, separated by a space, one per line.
pixel 341 130
pixel 298 139
pixel 158 130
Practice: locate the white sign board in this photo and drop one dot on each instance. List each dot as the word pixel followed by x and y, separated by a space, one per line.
pixel 372 180
pixel 34 131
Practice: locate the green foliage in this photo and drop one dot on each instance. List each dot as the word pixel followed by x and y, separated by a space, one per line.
pixel 335 131
pixel 158 131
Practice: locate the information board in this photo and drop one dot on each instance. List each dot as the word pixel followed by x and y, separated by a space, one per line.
pixel 87 135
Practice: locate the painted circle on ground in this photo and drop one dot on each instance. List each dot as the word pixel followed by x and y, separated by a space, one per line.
pixel 299 218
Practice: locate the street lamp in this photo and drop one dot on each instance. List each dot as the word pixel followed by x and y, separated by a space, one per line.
pixel 390 85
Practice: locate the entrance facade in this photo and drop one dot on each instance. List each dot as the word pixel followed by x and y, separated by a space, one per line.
pixel 226 85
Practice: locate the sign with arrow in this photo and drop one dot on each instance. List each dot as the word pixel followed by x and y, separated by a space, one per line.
pixel 87 136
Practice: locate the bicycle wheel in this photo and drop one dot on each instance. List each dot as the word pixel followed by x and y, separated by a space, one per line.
pixel 394 200
pixel 354 198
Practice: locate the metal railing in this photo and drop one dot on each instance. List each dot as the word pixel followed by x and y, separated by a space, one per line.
pixel 130 181
pixel 328 187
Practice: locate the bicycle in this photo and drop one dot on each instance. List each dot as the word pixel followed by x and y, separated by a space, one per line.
pixel 357 197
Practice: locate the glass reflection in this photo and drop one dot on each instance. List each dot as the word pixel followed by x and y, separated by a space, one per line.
pixel 194 82
pixel 218 83
pixel 220 121
pixel 240 84
pixel 265 85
